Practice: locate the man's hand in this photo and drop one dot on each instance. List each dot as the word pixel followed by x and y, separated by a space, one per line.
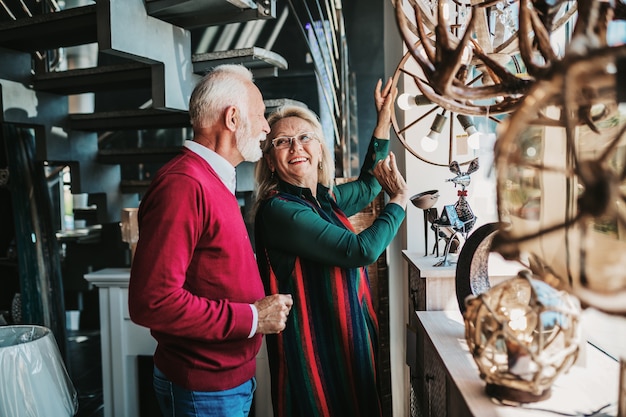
pixel 273 312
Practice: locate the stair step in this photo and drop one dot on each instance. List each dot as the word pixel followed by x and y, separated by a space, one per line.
pixel 261 62
pixel 191 14
pixel 129 120
pixel 135 75
pixel 273 104
pixel 137 155
pixel 147 118
pixel 90 215
pixel 134 186
pixel 69 27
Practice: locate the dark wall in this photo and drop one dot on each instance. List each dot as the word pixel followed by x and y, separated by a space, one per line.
pixel 364 33
pixel 9 278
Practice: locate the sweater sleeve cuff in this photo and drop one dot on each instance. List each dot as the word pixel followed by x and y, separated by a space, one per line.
pixel 396 210
pixel 377 150
pixel 255 320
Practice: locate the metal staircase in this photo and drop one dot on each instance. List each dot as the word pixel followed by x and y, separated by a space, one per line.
pixel 149 44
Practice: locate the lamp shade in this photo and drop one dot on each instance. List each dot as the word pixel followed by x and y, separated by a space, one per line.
pixel 523 334
pixel 33 378
pixel 426 199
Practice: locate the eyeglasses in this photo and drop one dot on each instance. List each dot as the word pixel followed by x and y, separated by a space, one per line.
pixel 285 142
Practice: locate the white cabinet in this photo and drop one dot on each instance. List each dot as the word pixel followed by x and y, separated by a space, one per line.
pixel 121 342
pixel 434 287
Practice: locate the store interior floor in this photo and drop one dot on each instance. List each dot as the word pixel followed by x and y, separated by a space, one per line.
pixel 84 367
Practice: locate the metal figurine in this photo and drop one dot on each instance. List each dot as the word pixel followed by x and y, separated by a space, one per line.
pixel 456 219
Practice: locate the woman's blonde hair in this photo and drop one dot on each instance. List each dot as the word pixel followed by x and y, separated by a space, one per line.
pixel 266 180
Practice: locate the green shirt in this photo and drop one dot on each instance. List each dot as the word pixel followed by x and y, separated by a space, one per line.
pixel 291 228
pixel 324 362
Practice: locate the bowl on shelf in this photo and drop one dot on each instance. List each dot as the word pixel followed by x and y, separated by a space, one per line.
pixel 426 199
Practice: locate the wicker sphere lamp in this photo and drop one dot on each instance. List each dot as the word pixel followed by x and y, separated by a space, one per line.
pixel 523 334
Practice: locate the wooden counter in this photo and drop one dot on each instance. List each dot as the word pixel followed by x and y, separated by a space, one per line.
pixel 434 288
pixel 451 386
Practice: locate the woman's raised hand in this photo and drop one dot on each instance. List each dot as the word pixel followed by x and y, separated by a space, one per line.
pixel 384 98
pixel 387 173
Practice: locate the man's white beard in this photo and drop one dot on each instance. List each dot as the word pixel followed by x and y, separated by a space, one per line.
pixel 249 148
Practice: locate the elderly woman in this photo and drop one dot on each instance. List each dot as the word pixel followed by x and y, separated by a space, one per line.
pixel 324 362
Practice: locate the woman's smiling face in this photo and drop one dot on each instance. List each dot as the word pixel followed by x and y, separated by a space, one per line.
pixel 297 163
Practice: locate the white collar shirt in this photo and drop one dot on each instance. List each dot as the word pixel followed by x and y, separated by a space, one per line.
pixel 222 167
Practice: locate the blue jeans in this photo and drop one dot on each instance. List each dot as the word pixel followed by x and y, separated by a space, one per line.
pixel 175 401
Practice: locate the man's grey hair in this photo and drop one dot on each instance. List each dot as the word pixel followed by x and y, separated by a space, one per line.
pixel 223 86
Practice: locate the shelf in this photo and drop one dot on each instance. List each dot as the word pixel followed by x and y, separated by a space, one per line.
pixel 191 14
pixel 261 62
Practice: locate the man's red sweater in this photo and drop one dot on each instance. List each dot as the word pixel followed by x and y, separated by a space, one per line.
pixel 193 277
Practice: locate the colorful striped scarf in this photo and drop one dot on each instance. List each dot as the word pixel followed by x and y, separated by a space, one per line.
pixel 324 363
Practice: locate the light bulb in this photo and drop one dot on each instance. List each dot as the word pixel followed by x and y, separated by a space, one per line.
pixel 517 320
pixel 473 135
pixel 429 142
pixel 473 138
pixel 407 101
